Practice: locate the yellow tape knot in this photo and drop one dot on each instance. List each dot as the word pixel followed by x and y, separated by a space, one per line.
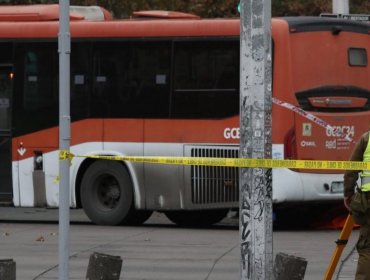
pixel 66 155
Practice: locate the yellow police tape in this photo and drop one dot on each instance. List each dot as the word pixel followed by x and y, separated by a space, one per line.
pixel 231 162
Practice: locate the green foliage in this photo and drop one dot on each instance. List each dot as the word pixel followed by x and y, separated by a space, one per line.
pixel 215 8
pixel 314 7
pixel 208 8
pixel 222 8
pixel 300 7
pixel 124 8
pixel 360 6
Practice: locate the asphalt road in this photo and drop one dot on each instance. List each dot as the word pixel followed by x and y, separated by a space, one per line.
pixel 158 250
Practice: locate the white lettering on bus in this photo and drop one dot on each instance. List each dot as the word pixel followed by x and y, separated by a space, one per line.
pixel 308 144
pixel 232 133
pixel 340 131
pixel 331 144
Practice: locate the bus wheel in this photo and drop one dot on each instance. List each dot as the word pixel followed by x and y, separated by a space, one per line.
pixel 196 218
pixel 106 193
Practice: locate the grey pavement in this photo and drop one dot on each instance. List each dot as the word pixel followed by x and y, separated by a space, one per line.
pixel 157 250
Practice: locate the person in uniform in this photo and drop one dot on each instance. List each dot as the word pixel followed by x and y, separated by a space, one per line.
pixel 361 152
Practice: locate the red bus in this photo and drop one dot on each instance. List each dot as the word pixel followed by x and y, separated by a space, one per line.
pixel 167 84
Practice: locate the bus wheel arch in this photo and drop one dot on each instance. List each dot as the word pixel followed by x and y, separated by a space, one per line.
pixel 81 171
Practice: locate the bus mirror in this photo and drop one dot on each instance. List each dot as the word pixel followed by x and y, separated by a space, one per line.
pixel 38 161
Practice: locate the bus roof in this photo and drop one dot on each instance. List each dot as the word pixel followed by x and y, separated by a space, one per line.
pixel 123 28
pixel 51 13
pixel 164 14
pixel 41 22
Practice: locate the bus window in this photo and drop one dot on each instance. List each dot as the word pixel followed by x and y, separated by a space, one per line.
pixel 37 94
pixel 80 83
pixel 38 81
pixel 107 60
pixel 149 74
pixel 131 79
pixel 357 57
pixel 206 80
pixel 6 77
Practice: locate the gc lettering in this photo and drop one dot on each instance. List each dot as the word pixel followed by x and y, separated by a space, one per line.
pixel 232 133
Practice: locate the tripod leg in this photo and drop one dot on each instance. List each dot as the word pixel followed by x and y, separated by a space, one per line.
pixel 341 243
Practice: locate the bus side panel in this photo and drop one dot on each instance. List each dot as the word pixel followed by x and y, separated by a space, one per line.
pixel 35 119
pixel 125 137
pixel 36 162
pixel 164 184
pixel 282 118
pixel 32 187
pixel 169 186
pixel 86 138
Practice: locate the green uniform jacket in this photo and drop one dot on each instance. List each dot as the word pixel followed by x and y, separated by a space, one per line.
pixel 351 176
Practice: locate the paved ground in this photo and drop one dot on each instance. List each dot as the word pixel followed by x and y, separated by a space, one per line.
pixel 156 251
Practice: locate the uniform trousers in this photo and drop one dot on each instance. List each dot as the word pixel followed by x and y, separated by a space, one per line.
pixel 363 249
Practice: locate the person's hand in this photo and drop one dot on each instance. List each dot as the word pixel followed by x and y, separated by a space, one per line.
pixel 347 201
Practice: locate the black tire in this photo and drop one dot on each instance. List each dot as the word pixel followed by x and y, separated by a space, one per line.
pixel 196 218
pixel 107 193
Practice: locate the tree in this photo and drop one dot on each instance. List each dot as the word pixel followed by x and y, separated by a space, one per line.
pixel 210 8
pixel 360 7
pixel 300 7
pixel 222 8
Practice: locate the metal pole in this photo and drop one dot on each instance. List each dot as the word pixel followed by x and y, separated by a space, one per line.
pixel 340 6
pixel 255 127
pixel 64 49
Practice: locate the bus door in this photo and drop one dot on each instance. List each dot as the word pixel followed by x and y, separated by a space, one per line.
pixel 5 133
